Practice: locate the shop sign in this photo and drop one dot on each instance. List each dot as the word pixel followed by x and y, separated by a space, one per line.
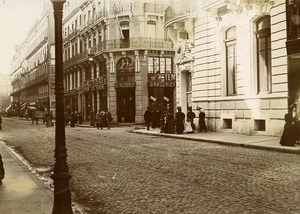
pixel 122 8
pixel 125 84
pixel 161 80
pixel 161 77
pixel 162 84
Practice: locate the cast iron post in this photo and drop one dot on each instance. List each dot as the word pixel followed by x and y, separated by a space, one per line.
pixel 61 175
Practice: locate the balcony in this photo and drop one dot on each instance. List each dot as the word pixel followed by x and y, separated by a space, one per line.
pixel 134 43
pixel 139 43
pixel 71 35
pixel 180 11
pixel 92 22
pixel 154 8
pixel 75 60
pixel 36 80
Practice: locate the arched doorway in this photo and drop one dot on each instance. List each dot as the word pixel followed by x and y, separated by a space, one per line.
pixel 125 88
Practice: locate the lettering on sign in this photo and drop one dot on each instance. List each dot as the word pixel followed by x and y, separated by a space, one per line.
pixel 161 80
pixel 122 8
pixel 125 84
pixel 161 84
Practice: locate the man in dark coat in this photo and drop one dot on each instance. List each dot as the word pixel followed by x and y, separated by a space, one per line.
pixel 289 134
pixel 179 117
pixel 202 126
pixel 0 122
pixel 190 118
pixel 2 171
pixel 148 117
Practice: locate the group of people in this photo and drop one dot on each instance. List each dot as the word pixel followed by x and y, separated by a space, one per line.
pixel 291 131
pixel 177 123
pixel 103 118
pixel 73 118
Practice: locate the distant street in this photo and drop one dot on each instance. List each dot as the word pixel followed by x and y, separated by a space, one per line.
pixel 116 171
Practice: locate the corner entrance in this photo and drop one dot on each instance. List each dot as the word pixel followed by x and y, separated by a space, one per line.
pixel 126 105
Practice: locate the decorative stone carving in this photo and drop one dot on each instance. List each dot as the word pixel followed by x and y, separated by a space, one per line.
pixel 183 53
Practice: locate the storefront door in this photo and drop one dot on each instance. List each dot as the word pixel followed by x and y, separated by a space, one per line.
pixel 126 105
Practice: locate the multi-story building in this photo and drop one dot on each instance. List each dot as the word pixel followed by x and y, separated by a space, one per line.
pixel 231 59
pixel 116 56
pixel 32 73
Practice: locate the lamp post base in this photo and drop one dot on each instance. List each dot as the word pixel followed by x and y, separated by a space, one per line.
pixel 62 194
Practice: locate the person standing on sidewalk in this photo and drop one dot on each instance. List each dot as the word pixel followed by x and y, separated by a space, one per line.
pixel 289 134
pixel 108 118
pixel 0 123
pixel 202 126
pixel 190 118
pixel 148 118
pixel 179 118
pixel 99 119
pixel 2 171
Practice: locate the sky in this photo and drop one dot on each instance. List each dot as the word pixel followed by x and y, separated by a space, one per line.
pixel 16 19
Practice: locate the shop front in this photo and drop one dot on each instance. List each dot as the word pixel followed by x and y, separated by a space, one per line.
pixel 161 89
pixel 125 90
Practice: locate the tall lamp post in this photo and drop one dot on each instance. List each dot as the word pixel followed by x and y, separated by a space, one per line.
pixel 61 175
pixel 92 112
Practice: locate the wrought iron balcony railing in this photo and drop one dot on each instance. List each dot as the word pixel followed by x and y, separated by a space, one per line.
pixel 154 8
pixel 180 9
pixel 120 44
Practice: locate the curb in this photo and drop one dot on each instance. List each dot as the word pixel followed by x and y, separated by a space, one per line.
pixel 267 148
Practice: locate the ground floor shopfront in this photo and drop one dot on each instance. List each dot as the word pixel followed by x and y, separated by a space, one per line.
pixel 126 86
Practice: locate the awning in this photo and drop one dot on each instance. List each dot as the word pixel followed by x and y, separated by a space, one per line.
pixel 23 106
pixel 31 107
pixel 8 108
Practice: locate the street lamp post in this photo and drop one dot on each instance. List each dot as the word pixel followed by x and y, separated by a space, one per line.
pixel 61 175
pixel 92 112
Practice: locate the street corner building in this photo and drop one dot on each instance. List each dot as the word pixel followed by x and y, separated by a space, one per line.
pixel 237 60
pixel 117 57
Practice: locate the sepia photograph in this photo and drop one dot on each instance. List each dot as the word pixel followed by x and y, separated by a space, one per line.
pixel 150 107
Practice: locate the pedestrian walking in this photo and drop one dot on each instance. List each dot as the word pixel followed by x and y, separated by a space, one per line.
pixel 99 119
pixel 72 119
pixel 108 118
pixel 190 119
pixel 33 117
pixel 2 171
pixel 80 117
pixel 202 126
pixel 179 118
pixel 0 122
pixel 148 118
pixel 289 134
pixel 75 117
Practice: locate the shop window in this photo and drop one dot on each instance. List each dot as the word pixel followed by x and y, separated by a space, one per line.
pixel 259 125
pixel 160 65
pixel 263 42
pixel 231 65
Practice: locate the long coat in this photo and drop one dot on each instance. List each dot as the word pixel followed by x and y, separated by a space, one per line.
pixel 179 117
pixel 100 118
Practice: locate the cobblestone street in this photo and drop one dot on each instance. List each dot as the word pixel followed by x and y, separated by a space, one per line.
pixel 116 171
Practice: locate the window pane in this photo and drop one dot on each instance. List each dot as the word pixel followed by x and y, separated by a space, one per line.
pixel 156 65
pixel 150 64
pixel 168 65
pixel 162 65
pixel 262 75
pixel 230 76
pixel 261 44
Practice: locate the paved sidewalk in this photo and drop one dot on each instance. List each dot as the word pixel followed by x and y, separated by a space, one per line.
pixel 21 192
pixel 250 141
